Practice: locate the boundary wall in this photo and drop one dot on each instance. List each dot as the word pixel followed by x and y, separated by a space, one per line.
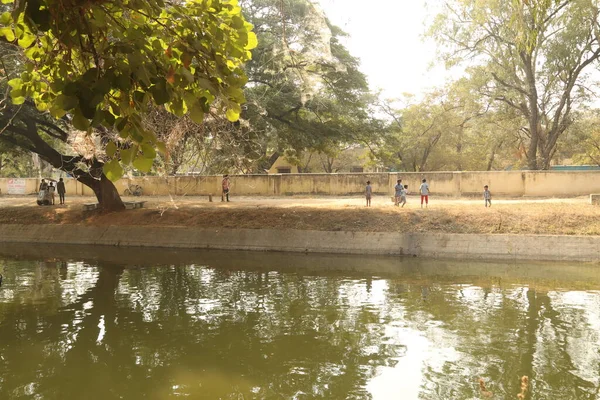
pixel 436 245
pixel 501 183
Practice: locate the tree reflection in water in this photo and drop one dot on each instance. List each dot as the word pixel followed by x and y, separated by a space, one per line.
pixel 102 330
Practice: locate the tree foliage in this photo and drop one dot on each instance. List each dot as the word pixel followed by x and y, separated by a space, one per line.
pixel 103 64
pixel 14 161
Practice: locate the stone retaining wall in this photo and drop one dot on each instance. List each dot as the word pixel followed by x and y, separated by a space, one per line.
pixel 438 245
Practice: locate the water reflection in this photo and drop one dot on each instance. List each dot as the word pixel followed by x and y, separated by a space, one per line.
pixel 232 326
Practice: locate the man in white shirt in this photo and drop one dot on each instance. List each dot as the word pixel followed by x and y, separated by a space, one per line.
pixel 424 189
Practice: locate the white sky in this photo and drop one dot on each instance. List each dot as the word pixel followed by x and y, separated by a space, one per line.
pixel 387 36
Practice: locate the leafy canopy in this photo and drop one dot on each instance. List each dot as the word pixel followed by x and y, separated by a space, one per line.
pixel 103 63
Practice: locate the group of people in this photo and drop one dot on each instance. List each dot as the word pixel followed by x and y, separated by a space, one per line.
pixel 400 192
pixel 60 189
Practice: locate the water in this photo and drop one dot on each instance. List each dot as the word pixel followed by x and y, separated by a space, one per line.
pixel 104 323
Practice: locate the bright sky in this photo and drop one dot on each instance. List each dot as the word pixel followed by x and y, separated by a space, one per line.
pixel 387 37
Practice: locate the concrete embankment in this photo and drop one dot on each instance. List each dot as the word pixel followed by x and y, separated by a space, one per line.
pixel 436 245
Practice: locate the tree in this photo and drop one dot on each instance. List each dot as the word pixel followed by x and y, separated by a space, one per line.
pixel 434 132
pixel 14 161
pixel 582 139
pixel 535 54
pixel 305 90
pixel 214 146
pixel 99 65
pixel 415 132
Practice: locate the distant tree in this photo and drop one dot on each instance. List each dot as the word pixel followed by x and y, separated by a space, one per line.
pixel 305 92
pixel 15 162
pixel 535 53
pixel 581 143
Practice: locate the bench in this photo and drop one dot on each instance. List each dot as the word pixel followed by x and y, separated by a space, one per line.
pixel 131 205
pixel 90 206
pixel 595 199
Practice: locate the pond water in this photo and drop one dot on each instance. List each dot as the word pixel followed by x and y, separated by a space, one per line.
pixel 105 323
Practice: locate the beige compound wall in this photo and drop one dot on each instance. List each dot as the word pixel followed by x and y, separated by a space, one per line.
pixel 32 185
pixel 501 183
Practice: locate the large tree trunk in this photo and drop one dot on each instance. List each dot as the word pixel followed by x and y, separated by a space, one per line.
pixel 105 191
pixel 492 156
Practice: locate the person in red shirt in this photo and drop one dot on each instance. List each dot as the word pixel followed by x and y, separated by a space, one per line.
pixel 225 185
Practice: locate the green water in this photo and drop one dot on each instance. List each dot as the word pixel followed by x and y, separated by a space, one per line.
pixel 105 323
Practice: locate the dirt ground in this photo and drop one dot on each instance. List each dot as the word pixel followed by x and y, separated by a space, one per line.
pixel 573 216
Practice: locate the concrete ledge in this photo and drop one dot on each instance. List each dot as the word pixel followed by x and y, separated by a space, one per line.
pixel 437 245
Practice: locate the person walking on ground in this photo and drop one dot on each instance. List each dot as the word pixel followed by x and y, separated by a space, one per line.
pixel 225 184
pixel 487 196
pixel 60 188
pixel 398 192
pixel 403 195
pixel 368 193
pixel 424 189
pixel 52 189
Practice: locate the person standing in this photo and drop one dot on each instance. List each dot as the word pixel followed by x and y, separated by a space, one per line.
pixel 43 185
pixel 487 196
pixel 60 188
pixel 424 189
pixel 225 184
pixel 52 189
pixel 403 195
pixel 398 192
pixel 368 193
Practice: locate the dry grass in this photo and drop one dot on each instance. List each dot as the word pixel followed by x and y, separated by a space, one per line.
pixel 560 218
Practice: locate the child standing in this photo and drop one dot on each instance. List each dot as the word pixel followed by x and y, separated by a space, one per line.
pixel 368 193
pixel 403 195
pixel 424 189
pixel 225 184
pixel 52 189
pixel 398 192
pixel 487 196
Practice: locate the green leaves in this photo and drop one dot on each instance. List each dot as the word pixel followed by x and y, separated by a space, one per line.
pixel 148 151
pixel 233 113
pixel 160 93
pixel 157 54
pixel 113 170
pixel 79 121
pixel 7 33
pixel 127 155
pixel 252 41
pixel 66 103
pixel 197 113
pixel 111 149
pixel 18 91
pixel 16 83
pixel 26 40
pixel 143 164
pixel 5 18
